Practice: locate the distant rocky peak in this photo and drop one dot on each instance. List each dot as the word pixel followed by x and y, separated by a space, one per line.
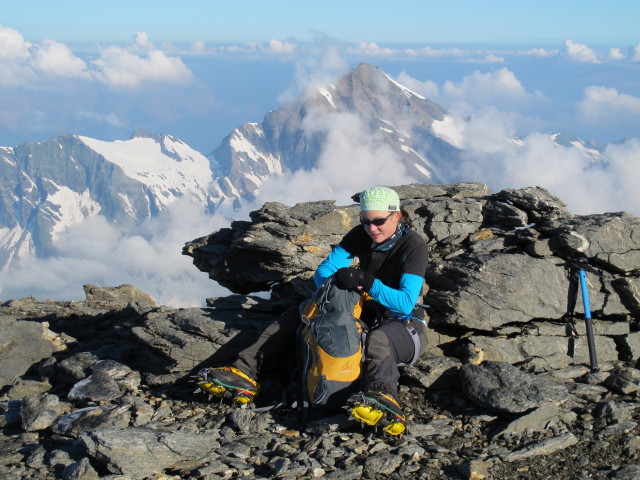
pixel 142 133
pixel 295 136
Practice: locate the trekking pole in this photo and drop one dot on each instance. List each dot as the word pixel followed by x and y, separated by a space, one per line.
pixel 587 318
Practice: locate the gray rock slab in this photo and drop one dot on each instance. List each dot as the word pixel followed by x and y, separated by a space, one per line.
pixel 91 418
pixel 383 463
pixel 142 453
pixel 435 372
pixel 539 203
pixel 609 239
pixel 488 291
pixel 536 421
pixel 548 352
pixel 544 447
pixel 97 387
pixel 39 413
pixel 15 359
pixel 503 388
pixel 81 470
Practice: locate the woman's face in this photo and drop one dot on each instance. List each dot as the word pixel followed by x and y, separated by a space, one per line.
pixel 380 233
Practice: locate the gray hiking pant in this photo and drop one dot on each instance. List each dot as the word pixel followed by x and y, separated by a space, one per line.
pixel 387 347
pixel 275 345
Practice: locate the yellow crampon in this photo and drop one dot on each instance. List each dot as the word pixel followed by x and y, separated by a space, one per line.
pixel 228 382
pixel 378 409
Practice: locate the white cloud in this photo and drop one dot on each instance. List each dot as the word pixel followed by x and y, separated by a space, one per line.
pixel 615 54
pixel 141 42
pixel 370 49
pixel 198 47
pixel 580 52
pixel 428 88
pixel 319 65
pixel 635 53
pixel 57 59
pixel 101 253
pixel 624 176
pixel 277 46
pixel 119 68
pixel 493 156
pixel 600 105
pixel 24 63
pixel 488 130
pixel 487 88
pixel 106 118
pixel 12 75
pixel 12 44
pixel 490 58
pixel 497 96
pixel 539 52
pixel 370 162
pixel 272 47
pixel 486 115
pixel 428 51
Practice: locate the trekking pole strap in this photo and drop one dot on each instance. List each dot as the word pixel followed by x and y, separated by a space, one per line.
pixel 572 299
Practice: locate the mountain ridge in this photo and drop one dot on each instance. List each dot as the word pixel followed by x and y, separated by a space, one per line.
pixel 47 186
pixel 50 185
pixel 292 136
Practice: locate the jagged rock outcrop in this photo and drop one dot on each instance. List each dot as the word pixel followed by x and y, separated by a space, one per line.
pixel 117 404
pixel 501 269
pixel 505 389
pixel 16 359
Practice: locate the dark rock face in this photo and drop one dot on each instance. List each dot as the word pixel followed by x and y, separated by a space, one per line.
pixel 505 390
pixel 501 273
pixel 16 359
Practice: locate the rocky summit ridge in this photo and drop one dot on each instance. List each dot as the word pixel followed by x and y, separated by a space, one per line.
pixel 102 388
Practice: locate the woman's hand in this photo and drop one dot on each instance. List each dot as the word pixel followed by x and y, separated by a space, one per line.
pixel 350 278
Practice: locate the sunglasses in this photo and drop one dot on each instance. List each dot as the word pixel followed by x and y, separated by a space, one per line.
pixel 378 222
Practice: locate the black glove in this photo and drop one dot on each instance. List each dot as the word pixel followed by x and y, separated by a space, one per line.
pixel 349 278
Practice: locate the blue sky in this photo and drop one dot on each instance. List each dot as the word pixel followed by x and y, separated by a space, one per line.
pixel 200 69
pixel 415 21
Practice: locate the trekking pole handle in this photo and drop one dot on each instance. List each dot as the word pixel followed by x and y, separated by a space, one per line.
pixel 587 318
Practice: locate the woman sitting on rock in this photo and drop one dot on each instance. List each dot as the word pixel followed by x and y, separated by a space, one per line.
pixel 392 265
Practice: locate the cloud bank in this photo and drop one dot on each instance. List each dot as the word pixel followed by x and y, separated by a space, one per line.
pixel 497 153
pixel 97 252
pixel 24 63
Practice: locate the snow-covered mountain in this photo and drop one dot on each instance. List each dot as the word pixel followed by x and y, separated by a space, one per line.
pixel 48 186
pixel 293 136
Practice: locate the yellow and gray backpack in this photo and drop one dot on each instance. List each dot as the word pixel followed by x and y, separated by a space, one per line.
pixel 330 348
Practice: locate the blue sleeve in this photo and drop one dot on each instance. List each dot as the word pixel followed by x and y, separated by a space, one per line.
pixel 401 301
pixel 337 259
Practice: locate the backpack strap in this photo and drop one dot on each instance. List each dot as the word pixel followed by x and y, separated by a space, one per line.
pixel 417 344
